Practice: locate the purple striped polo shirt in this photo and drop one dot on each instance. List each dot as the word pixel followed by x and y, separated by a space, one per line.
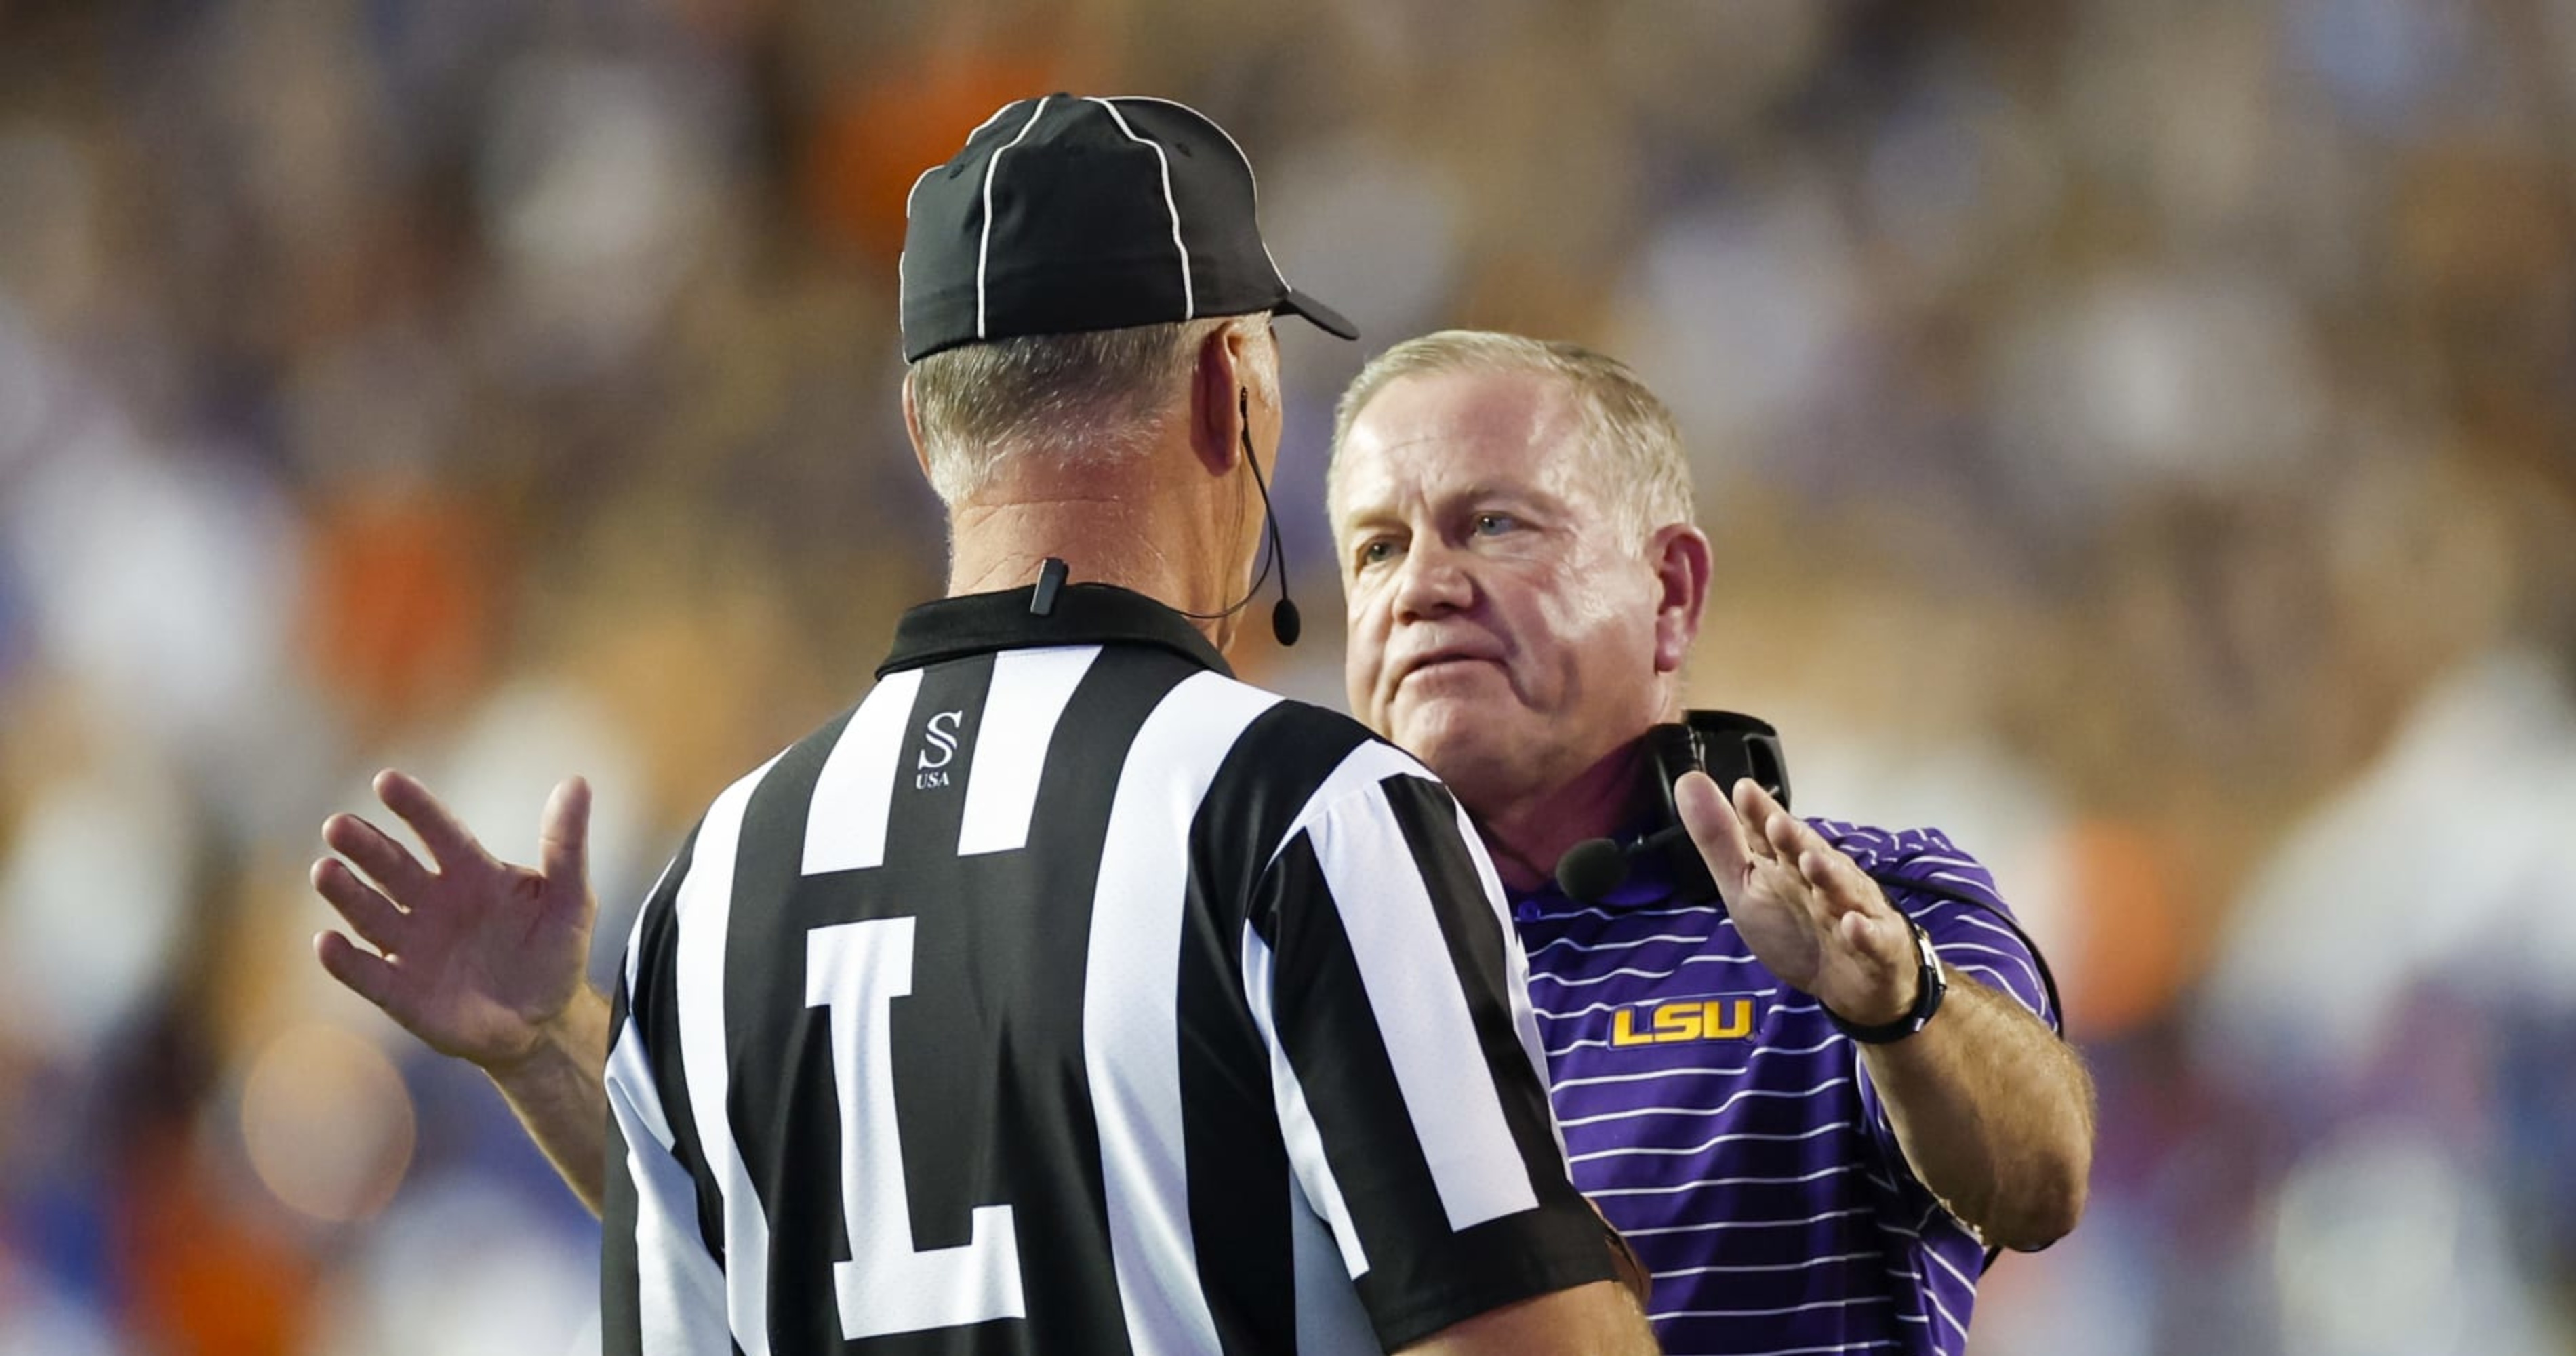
pixel 1726 1127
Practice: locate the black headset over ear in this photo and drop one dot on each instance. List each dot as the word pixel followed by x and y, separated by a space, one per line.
pixel 1285 625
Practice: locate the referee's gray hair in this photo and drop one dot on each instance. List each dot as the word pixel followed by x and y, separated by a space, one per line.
pixel 1091 398
pixel 1627 430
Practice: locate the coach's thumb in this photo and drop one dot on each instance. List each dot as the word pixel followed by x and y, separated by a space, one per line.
pixel 1713 826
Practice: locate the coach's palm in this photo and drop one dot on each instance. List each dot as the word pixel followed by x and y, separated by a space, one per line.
pixel 476 957
pixel 1804 908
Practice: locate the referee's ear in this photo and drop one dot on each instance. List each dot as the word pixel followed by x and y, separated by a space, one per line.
pixel 912 428
pixel 1216 408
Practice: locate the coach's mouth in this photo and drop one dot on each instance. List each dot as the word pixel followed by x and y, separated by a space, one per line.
pixel 1434 661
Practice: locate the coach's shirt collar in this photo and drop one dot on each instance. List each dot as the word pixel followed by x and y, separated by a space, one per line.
pixel 1084 614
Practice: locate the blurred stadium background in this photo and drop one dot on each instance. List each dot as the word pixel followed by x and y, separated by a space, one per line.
pixel 2140 438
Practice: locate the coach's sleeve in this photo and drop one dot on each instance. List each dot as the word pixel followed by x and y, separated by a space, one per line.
pixel 1956 900
pixel 1411 1091
pixel 661 1289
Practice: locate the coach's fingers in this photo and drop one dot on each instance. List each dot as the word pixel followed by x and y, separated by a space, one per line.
pixel 1846 888
pixel 359 970
pixel 1714 828
pixel 450 844
pixel 1765 821
pixel 1884 940
pixel 366 909
pixel 1787 834
pixel 563 837
pixel 1760 814
pixel 372 850
pixel 1858 914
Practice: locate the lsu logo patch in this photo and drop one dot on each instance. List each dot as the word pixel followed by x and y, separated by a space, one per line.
pixel 1709 1017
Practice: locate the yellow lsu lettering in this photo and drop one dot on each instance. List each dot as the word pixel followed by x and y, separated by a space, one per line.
pixel 1694 1019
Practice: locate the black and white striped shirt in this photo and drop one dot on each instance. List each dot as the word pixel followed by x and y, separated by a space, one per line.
pixel 1068 995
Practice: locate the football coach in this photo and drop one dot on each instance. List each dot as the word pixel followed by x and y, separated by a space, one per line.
pixel 1808 1067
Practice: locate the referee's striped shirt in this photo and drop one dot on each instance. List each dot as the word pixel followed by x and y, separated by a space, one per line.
pixel 1067 995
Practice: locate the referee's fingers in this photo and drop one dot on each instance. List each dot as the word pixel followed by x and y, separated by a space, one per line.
pixel 446 837
pixel 373 916
pixel 564 836
pixel 372 850
pixel 362 972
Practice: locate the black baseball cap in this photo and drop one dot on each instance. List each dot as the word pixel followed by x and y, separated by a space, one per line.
pixel 1069 213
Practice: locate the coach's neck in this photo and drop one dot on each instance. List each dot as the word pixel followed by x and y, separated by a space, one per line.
pixel 1528 827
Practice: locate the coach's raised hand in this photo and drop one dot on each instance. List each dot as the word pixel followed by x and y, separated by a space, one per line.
pixel 1993 1111
pixel 480 958
pixel 1803 907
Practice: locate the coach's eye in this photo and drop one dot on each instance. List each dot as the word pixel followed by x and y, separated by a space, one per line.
pixel 1495 524
pixel 1377 552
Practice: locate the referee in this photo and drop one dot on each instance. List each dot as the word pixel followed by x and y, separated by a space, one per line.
pixel 1066 994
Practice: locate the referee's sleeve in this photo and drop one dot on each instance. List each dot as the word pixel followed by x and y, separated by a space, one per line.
pixel 661 1290
pixel 1405 1056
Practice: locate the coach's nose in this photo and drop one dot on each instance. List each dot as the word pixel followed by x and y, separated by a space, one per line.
pixel 1433 581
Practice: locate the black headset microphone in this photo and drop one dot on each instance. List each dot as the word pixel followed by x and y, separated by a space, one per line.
pixel 1285 625
pixel 1591 869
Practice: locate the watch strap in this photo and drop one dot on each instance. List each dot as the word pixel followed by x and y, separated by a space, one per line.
pixel 1932 985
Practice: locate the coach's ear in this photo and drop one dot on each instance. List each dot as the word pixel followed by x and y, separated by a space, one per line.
pixel 1681 557
pixel 912 427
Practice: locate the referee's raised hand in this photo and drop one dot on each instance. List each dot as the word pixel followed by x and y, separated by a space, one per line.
pixel 476 956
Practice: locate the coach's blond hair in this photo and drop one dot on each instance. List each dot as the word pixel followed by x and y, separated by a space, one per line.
pixel 1625 429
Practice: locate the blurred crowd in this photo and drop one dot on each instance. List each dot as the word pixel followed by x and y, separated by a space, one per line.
pixel 2139 438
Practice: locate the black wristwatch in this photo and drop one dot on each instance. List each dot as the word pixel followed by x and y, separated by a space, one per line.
pixel 1927 998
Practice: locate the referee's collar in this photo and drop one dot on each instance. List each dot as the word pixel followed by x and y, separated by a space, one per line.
pixel 1084 614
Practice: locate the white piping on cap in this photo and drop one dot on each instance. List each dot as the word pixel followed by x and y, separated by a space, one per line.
pixel 903 285
pixel 984 247
pixel 915 191
pixel 1248 171
pixel 1189 295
